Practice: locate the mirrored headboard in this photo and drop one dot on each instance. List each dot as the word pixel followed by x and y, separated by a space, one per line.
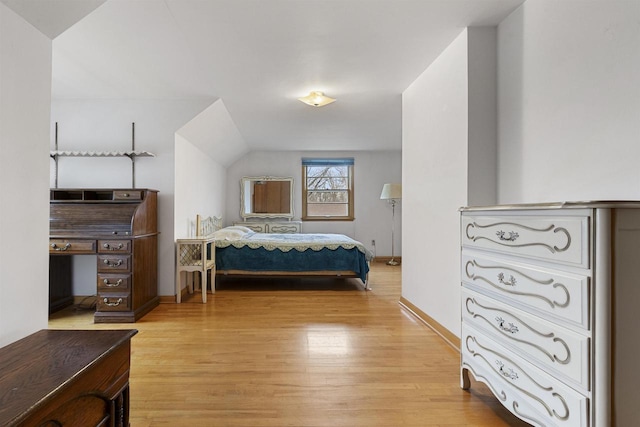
pixel 266 197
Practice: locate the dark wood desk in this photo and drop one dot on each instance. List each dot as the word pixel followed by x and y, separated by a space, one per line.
pixel 67 378
pixel 120 227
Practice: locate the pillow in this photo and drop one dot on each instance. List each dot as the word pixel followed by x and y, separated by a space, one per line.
pixel 240 227
pixel 229 233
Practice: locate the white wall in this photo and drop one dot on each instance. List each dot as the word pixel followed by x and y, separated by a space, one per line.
pixel 569 97
pixel 372 170
pixel 25 99
pixel 200 186
pixel 434 164
pixel 568 126
pixel 449 115
pixel 482 132
pixel 105 125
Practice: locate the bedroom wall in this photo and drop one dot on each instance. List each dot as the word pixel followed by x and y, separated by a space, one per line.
pixel 569 96
pixel 449 115
pixel 25 102
pixel 568 122
pixel 105 125
pixel 205 147
pixel 372 170
pixel 200 186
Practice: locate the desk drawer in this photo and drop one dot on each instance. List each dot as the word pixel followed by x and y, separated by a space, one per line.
pixel 69 247
pixel 113 302
pixel 127 195
pixel 114 246
pixel 114 282
pixel 561 239
pixel 114 263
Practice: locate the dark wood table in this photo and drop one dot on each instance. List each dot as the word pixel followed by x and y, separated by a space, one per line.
pixel 66 377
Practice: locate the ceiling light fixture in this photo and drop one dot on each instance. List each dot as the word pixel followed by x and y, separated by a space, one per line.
pixel 316 99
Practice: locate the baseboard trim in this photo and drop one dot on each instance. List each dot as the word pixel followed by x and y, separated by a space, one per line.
pixel 443 332
pixel 387 259
pixel 167 299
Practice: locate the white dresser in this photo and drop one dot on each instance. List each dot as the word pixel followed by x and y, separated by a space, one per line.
pixel 280 227
pixel 551 310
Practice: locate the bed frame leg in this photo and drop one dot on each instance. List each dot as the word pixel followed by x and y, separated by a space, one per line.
pixel 366 284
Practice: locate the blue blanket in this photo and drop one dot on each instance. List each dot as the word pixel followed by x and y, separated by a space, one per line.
pixel 293 252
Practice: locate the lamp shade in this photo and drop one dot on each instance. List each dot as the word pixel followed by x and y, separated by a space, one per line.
pixel 391 191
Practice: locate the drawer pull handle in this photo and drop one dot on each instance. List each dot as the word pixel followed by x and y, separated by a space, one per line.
pixel 112 304
pixel 64 248
pixel 112 285
pixel 113 264
pixel 511 282
pixel 109 247
pixel 511 237
pixel 511 328
pixel 505 372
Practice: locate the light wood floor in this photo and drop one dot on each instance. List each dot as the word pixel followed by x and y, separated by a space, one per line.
pixel 295 353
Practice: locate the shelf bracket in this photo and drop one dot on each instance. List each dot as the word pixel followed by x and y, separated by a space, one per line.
pixel 56 154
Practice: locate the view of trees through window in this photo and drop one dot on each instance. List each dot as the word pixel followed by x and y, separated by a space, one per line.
pixel 327 192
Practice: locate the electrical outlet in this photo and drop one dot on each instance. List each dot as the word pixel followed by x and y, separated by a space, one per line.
pixel 373 243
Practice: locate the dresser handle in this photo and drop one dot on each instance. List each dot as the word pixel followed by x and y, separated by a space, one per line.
pixel 511 328
pixel 112 304
pixel 511 237
pixel 108 246
pixel 64 248
pixel 113 264
pixel 112 285
pixel 511 282
pixel 506 372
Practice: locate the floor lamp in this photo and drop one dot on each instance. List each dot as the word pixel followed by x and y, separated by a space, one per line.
pixel 392 193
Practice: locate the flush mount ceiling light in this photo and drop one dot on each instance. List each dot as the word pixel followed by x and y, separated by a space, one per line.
pixel 316 99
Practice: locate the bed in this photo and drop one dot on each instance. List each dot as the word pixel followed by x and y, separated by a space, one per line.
pixel 241 251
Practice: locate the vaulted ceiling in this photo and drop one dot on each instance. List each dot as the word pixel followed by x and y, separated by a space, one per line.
pixel 259 56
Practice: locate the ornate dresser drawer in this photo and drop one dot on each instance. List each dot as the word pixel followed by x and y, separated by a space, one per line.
pixel 532 394
pixel 548 345
pixel 557 239
pixel 279 227
pixel 560 294
pixel 284 227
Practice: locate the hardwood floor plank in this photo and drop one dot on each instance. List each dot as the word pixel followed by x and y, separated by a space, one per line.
pixel 290 352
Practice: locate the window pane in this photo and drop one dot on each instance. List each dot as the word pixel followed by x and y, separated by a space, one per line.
pixel 327 183
pixel 327 190
pixel 328 197
pixel 324 209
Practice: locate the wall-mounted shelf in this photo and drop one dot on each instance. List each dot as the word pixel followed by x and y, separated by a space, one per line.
pixel 101 154
pixel 131 154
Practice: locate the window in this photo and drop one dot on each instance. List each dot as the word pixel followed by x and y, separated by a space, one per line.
pixel 327 189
